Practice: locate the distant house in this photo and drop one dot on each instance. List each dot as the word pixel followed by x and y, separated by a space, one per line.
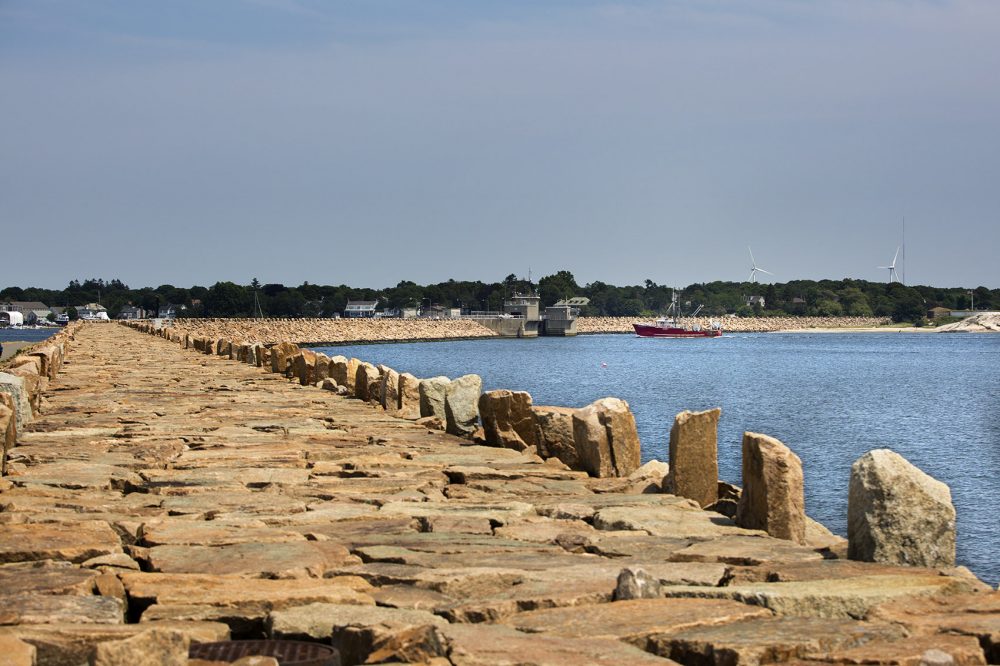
pixel 132 312
pixel 357 309
pixel 92 311
pixel 755 300
pixel 170 311
pixel 31 311
pixel 938 311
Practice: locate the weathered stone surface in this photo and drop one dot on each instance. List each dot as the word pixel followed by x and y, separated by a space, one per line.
pixel 632 620
pixel 16 652
pixel 73 542
pixel 897 514
pixel 461 405
pixel 694 464
pixel 409 397
pixel 354 630
pixel 940 650
pixel 210 533
pixel 679 521
pixel 389 389
pixel 322 368
pixel 486 645
pixel 416 645
pixel 198 589
pixel 837 598
pixel 45 577
pixel 305 367
pixel 338 371
pixel 743 550
pixel 508 419
pixel 976 615
pixel 73 644
pixel 773 496
pixel 432 397
pixel 14 386
pixel 635 583
pixel 8 430
pixel 366 376
pixel 555 434
pixel 30 608
pixel 153 647
pixel 606 438
pixel 300 559
pixel 763 640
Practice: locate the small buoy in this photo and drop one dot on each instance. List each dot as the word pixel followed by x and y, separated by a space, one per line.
pixel 603 364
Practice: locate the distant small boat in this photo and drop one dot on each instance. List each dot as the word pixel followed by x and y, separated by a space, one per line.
pixel 668 327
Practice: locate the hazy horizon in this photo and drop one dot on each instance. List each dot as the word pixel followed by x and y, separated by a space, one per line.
pixel 368 143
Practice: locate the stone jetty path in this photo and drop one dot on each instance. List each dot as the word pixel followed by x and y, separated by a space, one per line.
pixel 165 496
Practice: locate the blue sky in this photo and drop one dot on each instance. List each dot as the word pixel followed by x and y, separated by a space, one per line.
pixel 372 141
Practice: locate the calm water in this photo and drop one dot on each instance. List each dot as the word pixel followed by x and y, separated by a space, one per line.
pixel 28 334
pixel 935 399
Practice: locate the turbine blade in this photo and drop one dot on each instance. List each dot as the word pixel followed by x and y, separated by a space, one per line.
pixel 761 270
pixel 895 256
pixel 752 260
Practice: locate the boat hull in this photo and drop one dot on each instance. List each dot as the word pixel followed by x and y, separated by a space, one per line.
pixel 647 331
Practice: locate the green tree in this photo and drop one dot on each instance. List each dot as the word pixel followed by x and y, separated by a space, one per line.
pixel 553 288
pixel 908 306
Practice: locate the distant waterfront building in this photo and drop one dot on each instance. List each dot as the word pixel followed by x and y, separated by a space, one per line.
pixel 939 311
pixel 92 312
pixel 31 311
pixel 358 309
pixel 170 311
pixel 11 318
pixel 132 312
pixel 755 300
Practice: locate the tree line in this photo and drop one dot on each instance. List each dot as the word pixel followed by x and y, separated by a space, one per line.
pixel 846 297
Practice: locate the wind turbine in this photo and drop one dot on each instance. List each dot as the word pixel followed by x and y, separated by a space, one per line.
pixel 755 269
pixel 893 275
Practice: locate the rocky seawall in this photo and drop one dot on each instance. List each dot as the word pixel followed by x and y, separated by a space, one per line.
pixel 176 488
pixel 334 331
pixel 736 324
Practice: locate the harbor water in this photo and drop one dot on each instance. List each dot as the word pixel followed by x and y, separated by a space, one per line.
pixel 933 398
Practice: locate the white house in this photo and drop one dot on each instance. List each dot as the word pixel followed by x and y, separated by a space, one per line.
pixel 360 308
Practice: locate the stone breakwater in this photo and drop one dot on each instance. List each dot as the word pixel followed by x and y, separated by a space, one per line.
pixel 333 331
pixel 164 494
pixel 23 381
pixel 735 324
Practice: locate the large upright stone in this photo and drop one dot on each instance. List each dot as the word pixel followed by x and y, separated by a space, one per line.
pixel 8 429
pixel 694 463
pixel 554 427
pixel 389 388
pixel 366 376
pixel 322 367
pixel 606 438
pixel 14 386
pixel 508 420
pixel 338 372
pixel 897 514
pixel 409 396
pixel 432 394
pixel 773 498
pixel 304 367
pixel 461 405
pixel 281 355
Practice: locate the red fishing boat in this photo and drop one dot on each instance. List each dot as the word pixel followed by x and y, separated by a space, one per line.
pixel 669 327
